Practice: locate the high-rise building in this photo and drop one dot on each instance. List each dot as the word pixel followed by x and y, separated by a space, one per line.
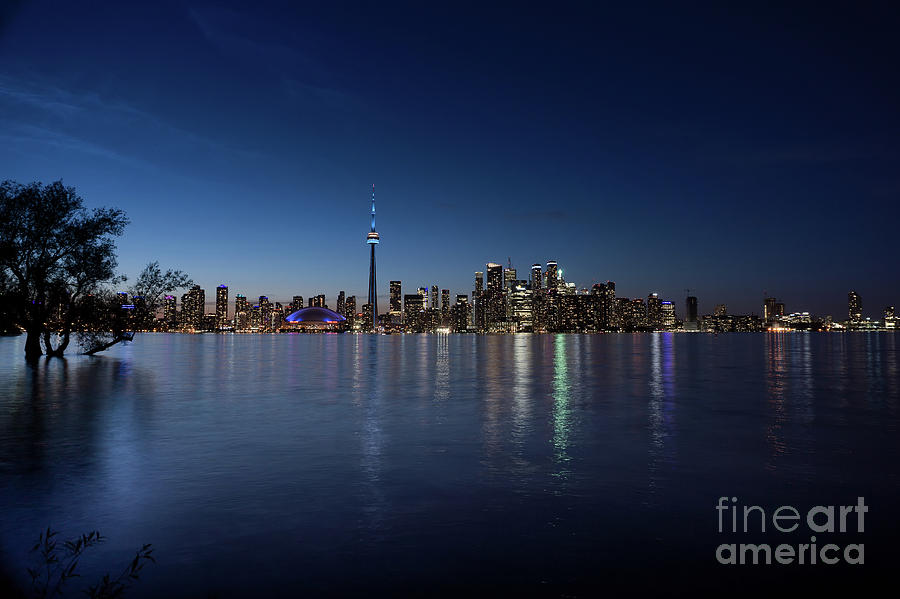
pixel 890 320
pixel 509 278
pixel 535 276
pixel 434 297
pixel 445 304
pixel 690 309
pixel 296 303
pixel 242 313
pixel 318 301
pixel 221 307
pixel 654 311
pixel 170 312
pixel 193 307
pixel 372 239
pixel 854 306
pixel 722 310
pixel 351 311
pixel 478 301
pixel 494 277
pixel 265 313
pixel 769 309
pixel 459 314
pixel 667 314
pixel 341 304
pixel 414 312
pixel 396 299
pixel 552 275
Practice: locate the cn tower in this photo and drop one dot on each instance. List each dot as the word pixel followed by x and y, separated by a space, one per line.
pixel 372 240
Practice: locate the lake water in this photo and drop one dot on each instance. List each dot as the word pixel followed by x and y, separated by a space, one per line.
pixel 355 464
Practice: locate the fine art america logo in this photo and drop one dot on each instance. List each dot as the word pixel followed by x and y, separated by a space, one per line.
pixel 786 519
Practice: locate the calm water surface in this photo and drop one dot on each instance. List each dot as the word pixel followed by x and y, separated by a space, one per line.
pixel 334 464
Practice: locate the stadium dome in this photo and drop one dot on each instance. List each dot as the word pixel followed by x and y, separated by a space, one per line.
pixel 316 319
pixel 314 314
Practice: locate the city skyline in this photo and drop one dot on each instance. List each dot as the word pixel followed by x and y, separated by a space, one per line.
pixel 730 153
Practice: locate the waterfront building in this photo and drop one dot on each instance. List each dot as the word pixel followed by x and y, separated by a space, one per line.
pixel 396 299
pixel 221 307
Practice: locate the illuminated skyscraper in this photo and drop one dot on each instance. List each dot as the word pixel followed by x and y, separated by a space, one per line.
pixel 221 307
pixel 396 298
pixel 552 275
pixel 242 313
pixel 535 276
pixel 445 304
pixel 434 297
pixel 296 303
pixel 478 301
pixel 654 311
pixel 494 277
pixel 667 314
pixel 341 307
pixel 372 239
pixel 854 306
pixel 170 314
pixel 351 311
pixel 509 278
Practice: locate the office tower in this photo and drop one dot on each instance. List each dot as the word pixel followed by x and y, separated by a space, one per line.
pixel 434 297
pixel 318 301
pixel 667 314
pixel 495 299
pixel 459 314
pixel 296 303
pixel 368 316
pixel 779 310
pixel 445 304
pixel 478 301
pixel 221 307
pixel 277 316
pixel 521 308
pixel 552 275
pixel 509 278
pixel 170 312
pixel 690 309
pixel 341 307
pixel 854 306
pixel 372 239
pixel 255 318
pixel 193 308
pixel 722 310
pixel 654 311
pixel 414 312
pixel 769 309
pixel 242 313
pixel 494 277
pixel 535 276
pixel 351 311
pixel 265 313
pixel 396 298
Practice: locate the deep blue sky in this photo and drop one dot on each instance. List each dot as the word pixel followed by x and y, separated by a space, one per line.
pixel 729 151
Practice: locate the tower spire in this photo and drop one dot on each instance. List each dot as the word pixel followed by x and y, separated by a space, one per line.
pixel 372 239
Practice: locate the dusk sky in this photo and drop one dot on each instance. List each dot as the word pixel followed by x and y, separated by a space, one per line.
pixel 660 147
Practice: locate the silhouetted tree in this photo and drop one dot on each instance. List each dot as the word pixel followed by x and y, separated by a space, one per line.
pixel 105 323
pixel 53 252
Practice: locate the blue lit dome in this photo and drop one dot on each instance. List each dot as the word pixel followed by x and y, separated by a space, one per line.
pixel 314 315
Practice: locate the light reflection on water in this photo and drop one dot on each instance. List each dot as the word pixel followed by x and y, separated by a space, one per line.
pixel 308 458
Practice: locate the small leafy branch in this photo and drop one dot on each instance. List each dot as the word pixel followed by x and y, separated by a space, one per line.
pixel 58 563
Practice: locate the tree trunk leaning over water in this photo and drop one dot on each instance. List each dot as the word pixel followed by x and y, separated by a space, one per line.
pixel 53 253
